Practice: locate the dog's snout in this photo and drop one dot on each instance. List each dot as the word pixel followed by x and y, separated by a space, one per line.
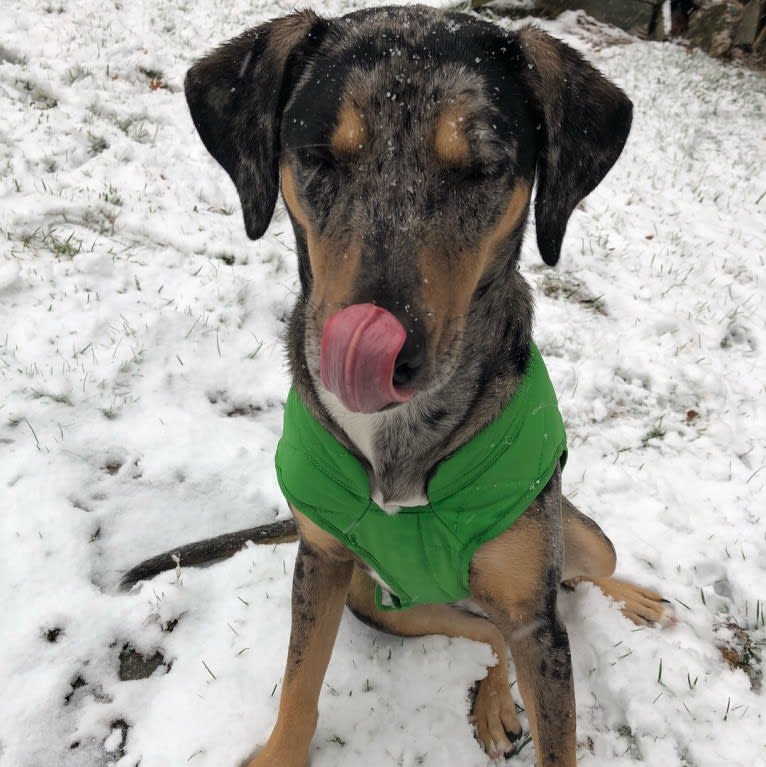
pixel 411 358
pixel 358 354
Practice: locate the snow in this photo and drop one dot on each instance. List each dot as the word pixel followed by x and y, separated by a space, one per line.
pixel 142 378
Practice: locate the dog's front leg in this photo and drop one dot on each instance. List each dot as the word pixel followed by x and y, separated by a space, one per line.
pixel 320 583
pixel 516 578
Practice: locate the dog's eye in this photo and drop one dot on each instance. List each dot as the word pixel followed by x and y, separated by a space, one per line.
pixel 483 172
pixel 316 157
pixel 318 166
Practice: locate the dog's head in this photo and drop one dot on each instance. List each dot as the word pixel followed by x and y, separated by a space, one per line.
pixel 407 142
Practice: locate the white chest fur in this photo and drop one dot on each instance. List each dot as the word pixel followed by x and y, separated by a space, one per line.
pixel 362 429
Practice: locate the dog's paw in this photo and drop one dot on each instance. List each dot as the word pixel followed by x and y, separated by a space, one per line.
pixel 642 606
pixel 494 717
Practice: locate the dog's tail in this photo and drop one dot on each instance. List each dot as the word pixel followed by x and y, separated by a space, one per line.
pixel 210 550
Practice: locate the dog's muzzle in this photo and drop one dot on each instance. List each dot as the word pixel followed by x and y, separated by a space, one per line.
pixel 359 358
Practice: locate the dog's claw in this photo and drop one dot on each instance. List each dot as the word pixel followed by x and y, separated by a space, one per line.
pixel 641 605
pixel 494 716
pixel 499 752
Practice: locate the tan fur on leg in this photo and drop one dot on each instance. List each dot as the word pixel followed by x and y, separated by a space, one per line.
pixel 320 585
pixel 515 578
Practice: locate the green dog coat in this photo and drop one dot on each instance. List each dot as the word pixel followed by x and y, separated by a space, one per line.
pixel 423 553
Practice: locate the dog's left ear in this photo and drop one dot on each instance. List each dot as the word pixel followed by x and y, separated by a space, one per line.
pixel 236 96
pixel 584 123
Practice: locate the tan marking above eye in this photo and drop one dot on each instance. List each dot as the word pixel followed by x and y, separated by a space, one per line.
pixel 450 142
pixel 350 130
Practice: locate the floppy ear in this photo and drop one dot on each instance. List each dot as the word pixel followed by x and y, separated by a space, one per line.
pixel 236 96
pixel 584 123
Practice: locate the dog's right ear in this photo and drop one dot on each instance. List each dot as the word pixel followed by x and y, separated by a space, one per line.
pixel 584 122
pixel 236 96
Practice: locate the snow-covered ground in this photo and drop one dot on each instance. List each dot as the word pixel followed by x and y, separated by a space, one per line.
pixel 141 385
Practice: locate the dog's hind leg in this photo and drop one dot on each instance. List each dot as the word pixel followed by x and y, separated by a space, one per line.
pixel 494 712
pixel 589 556
pixel 587 550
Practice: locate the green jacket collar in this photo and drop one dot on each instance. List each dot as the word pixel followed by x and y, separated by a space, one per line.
pixel 423 553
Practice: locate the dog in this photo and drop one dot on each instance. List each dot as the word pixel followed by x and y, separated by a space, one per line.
pixel 407 142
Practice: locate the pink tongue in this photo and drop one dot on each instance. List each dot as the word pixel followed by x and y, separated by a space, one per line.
pixel 360 345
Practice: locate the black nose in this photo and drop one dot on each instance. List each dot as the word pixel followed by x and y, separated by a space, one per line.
pixel 412 356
